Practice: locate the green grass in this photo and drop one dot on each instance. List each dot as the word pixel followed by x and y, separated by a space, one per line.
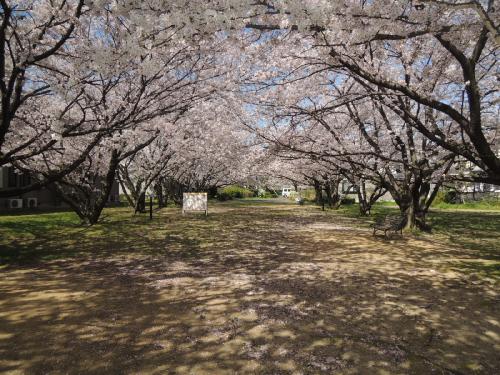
pixel 493 205
pixel 25 238
pixel 487 205
pixel 386 204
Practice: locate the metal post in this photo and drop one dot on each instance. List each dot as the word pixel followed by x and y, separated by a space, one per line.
pixel 151 207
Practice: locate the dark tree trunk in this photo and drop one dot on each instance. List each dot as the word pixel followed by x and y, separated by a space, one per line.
pixel 318 190
pixel 367 200
pixel 159 194
pixel 328 193
pixel 364 204
pixel 332 193
pixel 414 206
pixel 108 185
pixel 174 191
pixel 140 205
pixel 89 201
pixel 212 191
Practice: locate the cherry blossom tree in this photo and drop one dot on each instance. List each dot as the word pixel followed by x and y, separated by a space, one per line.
pixel 144 169
pixel 212 151
pixel 75 74
pixel 358 134
pixel 87 188
pixel 31 33
pixel 440 54
pixel 201 151
pixel 92 68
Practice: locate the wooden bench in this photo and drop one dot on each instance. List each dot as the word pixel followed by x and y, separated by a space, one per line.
pixel 389 223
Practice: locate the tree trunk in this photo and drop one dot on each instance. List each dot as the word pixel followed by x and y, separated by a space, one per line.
pixel 108 185
pixel 328 192
pixel 129 199
pixel 140 205
pixel 332 193
pixel 411 220
pixel 364 204
pixel 88 201
pixel 415 207
pixel 159 194
pixel 318 199
pixel 366 201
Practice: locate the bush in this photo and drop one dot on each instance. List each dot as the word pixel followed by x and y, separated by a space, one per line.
pixel 439 197
pixel 234 191
pixel 347 201
pixel 267 194
pixel 308 194
pixel 452 197
pixel 223 196
pixel 446 197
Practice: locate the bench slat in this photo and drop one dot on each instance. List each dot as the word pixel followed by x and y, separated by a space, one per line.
pixel 388 223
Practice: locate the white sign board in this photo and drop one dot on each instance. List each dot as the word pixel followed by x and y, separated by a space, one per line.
pixel 195 202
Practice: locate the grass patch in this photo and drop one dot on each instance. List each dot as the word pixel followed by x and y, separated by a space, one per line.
pixel 485 205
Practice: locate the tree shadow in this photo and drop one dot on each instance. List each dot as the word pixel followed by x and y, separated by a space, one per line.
pixel 250 289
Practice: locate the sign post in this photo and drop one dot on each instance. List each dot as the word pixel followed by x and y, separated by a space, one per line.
pixel 194 202
pixel 150 206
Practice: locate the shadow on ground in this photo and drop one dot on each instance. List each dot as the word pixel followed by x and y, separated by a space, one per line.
pixel 250 289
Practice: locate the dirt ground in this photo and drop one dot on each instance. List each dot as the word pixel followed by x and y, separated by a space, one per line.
pixel 252 289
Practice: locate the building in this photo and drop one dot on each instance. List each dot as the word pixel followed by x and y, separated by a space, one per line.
pixel 287 192
pixel 43 198
pixel 349 191
pixel 471 190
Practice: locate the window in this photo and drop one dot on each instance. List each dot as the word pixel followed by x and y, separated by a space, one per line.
pixel 25 179
pixel 12 178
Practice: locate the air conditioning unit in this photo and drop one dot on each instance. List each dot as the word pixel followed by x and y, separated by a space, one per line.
pixel 32 202
pixel 15 203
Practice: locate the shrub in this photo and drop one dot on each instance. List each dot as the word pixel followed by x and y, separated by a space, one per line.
pixel 439 197
pixel 308 194
pixel 223 196
pixel 234 191
pixel 347 201
pixel 452 196
pixel 268 194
